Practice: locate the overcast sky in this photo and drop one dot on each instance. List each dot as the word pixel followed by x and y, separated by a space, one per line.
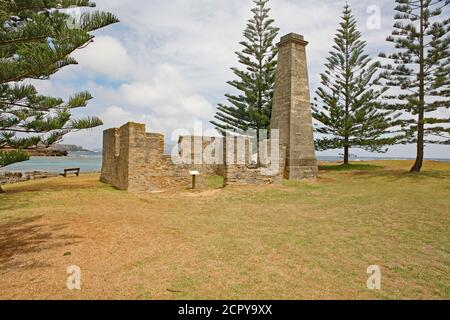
pixel 167 62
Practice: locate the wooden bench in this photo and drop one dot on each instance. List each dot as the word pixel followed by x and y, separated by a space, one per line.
pixel 74 170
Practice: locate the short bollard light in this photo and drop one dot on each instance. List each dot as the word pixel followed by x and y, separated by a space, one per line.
pixel 194 174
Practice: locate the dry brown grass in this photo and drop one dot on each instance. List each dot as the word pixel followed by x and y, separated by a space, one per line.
pixel 305 240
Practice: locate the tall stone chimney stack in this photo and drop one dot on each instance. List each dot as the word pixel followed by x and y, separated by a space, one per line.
pixel 291 113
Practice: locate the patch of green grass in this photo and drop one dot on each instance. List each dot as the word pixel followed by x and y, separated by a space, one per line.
pixel 303 240
pixel 214 182
pixel 350 167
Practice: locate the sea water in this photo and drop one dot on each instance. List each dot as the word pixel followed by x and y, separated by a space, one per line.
pixel 86 161
pixel 92 162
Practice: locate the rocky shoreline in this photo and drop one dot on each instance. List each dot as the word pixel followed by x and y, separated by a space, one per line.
pixel 15 177
pixel 42 152
pixel 47 153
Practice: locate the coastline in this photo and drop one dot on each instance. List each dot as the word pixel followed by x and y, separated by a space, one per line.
pixel 91 162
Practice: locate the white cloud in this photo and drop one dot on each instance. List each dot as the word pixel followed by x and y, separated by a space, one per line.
pixel 106 56
pixel 163 84
pixel 169 60
pixel 167 93
pixel 113 116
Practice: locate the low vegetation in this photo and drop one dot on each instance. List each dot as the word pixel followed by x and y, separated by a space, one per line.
pixel 304 240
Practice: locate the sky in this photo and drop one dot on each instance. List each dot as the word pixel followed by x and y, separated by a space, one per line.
pixel 167 62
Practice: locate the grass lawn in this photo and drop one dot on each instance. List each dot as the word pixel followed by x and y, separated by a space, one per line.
pixel 304 240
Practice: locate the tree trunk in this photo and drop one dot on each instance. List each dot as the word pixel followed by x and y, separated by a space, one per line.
pixel 346 155
pixel 420 155
pixel 260 62
pixel 258 159
pixel 347 103
pixel 420 125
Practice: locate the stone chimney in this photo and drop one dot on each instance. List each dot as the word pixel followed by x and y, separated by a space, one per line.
pixel 291 113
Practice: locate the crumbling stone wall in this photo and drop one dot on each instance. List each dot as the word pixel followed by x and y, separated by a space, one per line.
pixel 115 157
pixel 205 151
pixel 10 177
pixel 134 160
pixel 239 169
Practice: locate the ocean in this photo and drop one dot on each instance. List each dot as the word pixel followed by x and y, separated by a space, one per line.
pixel 86 161
pixel 92 162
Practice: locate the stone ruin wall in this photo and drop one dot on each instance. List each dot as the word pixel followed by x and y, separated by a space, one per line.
pixel 134 160
pixel 187 149
pixel 233 162
pixel 238 168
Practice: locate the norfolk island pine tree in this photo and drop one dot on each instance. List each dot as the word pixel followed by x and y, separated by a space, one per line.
pixel 347 103
pixel 36 40
pixel 251 109
pixel 418 74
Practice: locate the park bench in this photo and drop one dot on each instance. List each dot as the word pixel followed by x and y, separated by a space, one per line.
pixel 74 170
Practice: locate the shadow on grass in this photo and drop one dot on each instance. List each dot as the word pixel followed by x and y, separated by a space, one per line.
pixel 52 184
pixel 395 175
pixel 20 237
pixel 365 170
pixel 8 203
pixel 350 167
pixel 22 194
